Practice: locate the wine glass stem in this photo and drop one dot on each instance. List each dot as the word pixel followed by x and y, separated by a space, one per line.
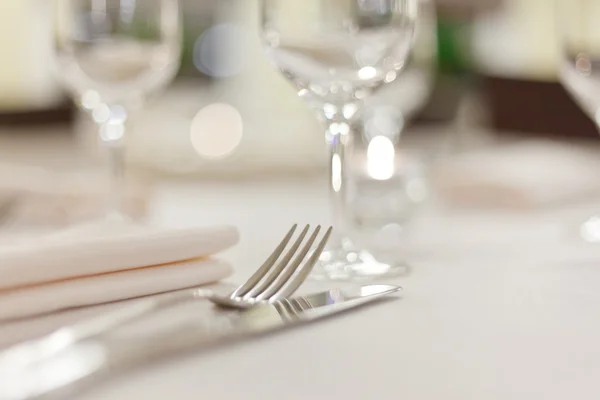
pixel 117 177
pixel 337 137
pixel 111 133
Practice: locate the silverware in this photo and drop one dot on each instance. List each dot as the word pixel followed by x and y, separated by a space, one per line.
pixel 274 282
pixel 91 361
pixel 269 283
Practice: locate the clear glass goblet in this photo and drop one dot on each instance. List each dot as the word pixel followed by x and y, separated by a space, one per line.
pixel 110 55
pixel 578 30
pixel 336 53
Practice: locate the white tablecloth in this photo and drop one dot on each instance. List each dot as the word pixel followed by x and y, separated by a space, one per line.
pixel 498 306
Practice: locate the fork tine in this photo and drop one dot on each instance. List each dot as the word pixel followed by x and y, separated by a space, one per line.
pixel 283 310
pixel 289 306
pixel 272 274
pixel 261 272
pixel 305 303
pixel 287 273
pixel 294 283
pixel 297 306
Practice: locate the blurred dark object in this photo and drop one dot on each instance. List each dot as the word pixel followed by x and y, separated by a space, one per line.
pixel 466 9
pixel 444 100
pixel 534 107
pixel 63 113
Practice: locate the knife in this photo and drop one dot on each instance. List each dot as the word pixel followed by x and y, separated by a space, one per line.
pixel 90 361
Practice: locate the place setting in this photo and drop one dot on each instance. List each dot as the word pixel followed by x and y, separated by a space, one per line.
pixel 111 66
pixel 432 242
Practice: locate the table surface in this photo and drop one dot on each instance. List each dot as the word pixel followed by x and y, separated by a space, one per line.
pixel 498 305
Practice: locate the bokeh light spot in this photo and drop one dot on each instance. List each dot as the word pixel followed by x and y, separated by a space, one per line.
pixel 366 73
pixel 216 130
pixel 381 158
pixel 217 51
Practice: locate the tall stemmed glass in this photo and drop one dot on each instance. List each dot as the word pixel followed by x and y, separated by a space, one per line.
pixel 336 52
pixel 111 54
pixel 578 26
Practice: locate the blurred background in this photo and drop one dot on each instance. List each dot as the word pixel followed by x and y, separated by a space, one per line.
pixel 488 49
pixel 483 74
pixel 487 63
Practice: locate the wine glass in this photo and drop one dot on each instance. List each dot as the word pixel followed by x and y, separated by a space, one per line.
pixel 409 93
pixel 579 37
pixel 387 167
pixel 110 55
pixel 336 53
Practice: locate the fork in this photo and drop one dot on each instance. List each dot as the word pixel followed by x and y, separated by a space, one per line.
pixel 269 283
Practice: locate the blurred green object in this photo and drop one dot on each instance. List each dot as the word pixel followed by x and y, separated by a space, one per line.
pixel 190 36
pixel 455 69
pixel 453 44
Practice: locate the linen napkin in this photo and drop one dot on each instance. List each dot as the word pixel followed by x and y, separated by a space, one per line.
pixel 98 263
pixel 524 175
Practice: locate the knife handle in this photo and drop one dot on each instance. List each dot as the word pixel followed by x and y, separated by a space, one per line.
pixel 91 361
pixel 36 350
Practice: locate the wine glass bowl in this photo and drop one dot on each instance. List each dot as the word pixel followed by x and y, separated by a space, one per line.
pixel 118 48
pixel 342 49
pixel 336 53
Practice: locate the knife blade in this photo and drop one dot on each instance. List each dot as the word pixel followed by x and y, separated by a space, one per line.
pixel 90 361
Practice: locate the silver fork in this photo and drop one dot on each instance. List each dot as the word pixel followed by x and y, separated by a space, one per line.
pixel 273 282
pixel 269 283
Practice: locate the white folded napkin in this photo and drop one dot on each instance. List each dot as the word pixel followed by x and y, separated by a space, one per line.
pixel 97 263
pixel 522 175
pixel 104 288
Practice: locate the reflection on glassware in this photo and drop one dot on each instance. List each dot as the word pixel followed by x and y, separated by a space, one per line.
pixel 579 36
pixel 409 92
pixel 387 180
pixel 111 54
pixel 590 230
pixel 381 158
pixel 336 53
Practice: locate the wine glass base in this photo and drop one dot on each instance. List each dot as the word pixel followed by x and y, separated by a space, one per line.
pixel 343 264
pixel 590 230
